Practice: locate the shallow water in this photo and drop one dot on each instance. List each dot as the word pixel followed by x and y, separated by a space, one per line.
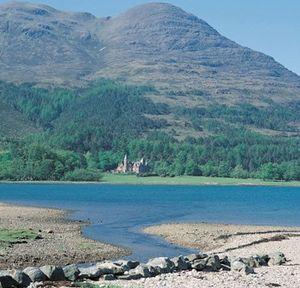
pixel 118 212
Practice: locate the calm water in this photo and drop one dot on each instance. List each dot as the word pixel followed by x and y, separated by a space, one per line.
pixel 117 213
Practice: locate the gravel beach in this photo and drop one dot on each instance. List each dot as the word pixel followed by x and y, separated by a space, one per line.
pixel 61 243
pixel 218 237
pixel 234 241
pixel 61 240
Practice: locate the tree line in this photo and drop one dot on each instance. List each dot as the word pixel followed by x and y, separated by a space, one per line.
pixel 246 155
pixel 88 131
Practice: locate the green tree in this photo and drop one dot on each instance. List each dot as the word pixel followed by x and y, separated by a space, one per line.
pixel 192 168
pixel 239 172
pixel 179 168
pixel 269 171
pixel 108 160
pixel 91 160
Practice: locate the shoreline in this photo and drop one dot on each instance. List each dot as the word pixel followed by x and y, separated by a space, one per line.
pixel 211 237
pixel 222 239
pixel 60 240
pixel 110 179
pixel 22 216
pixel 247 241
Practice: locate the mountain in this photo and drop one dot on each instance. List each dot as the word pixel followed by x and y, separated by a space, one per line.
pixel 78 92
pixel 158 44
pixel 197 75
pixel 162 44
pixel 45 45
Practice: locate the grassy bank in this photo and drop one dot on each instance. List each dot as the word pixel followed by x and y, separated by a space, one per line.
pixel 48 237
pixel 119 179
pixel 189 180
pixel 10 237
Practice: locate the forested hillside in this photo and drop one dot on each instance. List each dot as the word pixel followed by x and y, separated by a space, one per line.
pixel 86 131
pixel 180 94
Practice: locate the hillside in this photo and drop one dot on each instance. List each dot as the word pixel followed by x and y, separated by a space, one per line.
pixel 13 123
pixel 162 44
pixel 158 44
pixel 88 130
pixel 78 92
pixel 44 45
pixel 187 61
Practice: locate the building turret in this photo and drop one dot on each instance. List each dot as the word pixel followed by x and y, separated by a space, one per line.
pixel 138 167
pixel 125 167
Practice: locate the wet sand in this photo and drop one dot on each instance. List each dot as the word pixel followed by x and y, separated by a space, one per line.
pixel 61 240
pixel 219 237
pixel 62 243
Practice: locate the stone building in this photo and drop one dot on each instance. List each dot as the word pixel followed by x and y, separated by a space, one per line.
pixel 138 167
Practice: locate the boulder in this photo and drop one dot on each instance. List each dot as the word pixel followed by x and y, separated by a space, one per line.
pixel 193 257
pixel 35 274
pixel 111 268
pixel 225 263
pixel 264 259
pixel 21 278
pixel 180 263
pixel 71 272
pixel 277 258
pixel 132 264
pixel 254 261
pixel 213 263
pixel 241 267
pixel 128 277
pixel 109 277
pixel 91 272
pixel 141 271
pixel 6 280
pixel 161 265
pixel 199 264
pixel 53 273
pixel 127 263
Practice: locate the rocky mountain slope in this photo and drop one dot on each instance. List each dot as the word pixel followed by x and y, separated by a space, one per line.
pixel 45 45
pixel 175 50
pixel 187 61
pixel 155 43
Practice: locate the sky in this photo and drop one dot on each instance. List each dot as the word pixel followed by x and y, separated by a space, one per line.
pixel 269 26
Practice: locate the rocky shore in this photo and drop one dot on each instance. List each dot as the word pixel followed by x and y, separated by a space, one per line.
pixel 234 241
pixel 133 270
pixel 59 240
pixel 235 256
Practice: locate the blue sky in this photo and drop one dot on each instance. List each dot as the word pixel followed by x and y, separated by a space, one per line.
pixel 269 26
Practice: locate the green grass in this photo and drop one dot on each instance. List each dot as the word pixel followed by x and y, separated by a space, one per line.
pixel 189 180
pixel 10 237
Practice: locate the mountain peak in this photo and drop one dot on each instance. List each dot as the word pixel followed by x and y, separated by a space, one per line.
pixel 156 43
pixel 28 8
pixel 162 26
pixel 159 12
pixel 155 8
